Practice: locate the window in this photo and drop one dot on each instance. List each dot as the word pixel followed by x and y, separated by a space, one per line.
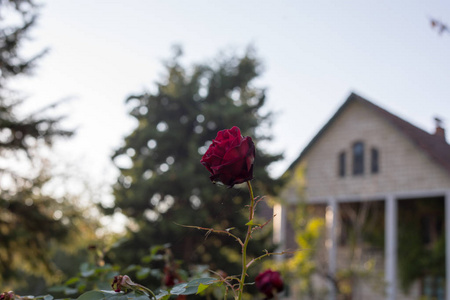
pixel 374 167
pixel 358 158
pixel 433 287
pixel 341 165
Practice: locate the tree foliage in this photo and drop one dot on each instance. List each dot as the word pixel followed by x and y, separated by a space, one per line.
pixel 421 244
pixel 163 183
pixel 30 220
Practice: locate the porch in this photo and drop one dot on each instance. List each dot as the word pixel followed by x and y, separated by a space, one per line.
pixel 394 208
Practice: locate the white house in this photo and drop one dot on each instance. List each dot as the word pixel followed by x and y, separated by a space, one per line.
pixel 363 154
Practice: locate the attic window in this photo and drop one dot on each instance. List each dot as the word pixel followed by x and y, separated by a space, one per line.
pixel 341 164
pixel 358 158
pixel 374 165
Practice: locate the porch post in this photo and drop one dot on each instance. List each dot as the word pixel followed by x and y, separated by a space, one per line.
pixel 279 229
pixel 390 251
pixel 447 245
pixel 331 218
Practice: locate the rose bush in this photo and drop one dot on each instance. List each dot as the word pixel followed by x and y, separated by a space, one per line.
pixel 230 157
pixel 269 283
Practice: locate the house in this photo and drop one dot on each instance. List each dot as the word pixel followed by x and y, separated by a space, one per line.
pixel 367 155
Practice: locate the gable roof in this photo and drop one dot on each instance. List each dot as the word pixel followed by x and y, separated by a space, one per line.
pixel 434 146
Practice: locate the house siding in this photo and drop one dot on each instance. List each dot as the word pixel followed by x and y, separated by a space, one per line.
pixel 402 167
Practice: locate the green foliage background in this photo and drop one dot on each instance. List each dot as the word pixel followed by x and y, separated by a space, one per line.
pixel 165 185
pixel 35 227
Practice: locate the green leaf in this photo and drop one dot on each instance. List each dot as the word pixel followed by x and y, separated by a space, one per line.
pixel 140 297
pixel 110 295
pixel 70 291
pixel 179 289
pixel 190 290
pixel 120 296
pixel 72 280
pixel 143 273
pixel 88 273
pixel 202 287
pixel 92 295
pixel 156 273
pixel 191 287
pixel 57 289
pixel 102 285
pixel 84 267
pixel 112 274
pixel 129 269
pixel 163 295
pixel 48 297
pixel 252 223
pixel 204 280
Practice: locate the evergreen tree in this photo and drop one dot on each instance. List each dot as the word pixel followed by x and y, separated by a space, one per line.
pixel 165 185
pixel 30 220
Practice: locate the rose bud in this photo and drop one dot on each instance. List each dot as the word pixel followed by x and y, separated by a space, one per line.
pixel 169 277
pixel 230 157
pixel 122 283
pixel 7 295
pixel 269 283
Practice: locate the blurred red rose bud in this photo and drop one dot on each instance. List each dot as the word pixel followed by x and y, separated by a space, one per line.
pixel 269 283
pixel 169 277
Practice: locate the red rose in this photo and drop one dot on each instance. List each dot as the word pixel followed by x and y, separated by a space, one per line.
pixel 230 157
pixel 269 282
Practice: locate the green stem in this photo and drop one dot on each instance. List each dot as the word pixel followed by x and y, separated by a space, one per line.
pixel 145 289
pixel 247 239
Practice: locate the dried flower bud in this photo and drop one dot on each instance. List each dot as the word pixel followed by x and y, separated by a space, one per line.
pixel 7 295
pixel 122 283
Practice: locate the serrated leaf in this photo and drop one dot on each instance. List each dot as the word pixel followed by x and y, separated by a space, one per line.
pixel 191 287
pixel 178 289
pixel 204 280
pixel 190 290
pixel 163 295
pixel 202 287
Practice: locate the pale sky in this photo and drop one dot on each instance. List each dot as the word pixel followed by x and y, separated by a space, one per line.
pixel 315 53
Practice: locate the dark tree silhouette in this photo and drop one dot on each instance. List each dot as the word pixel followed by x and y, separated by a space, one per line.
pixel 164 184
